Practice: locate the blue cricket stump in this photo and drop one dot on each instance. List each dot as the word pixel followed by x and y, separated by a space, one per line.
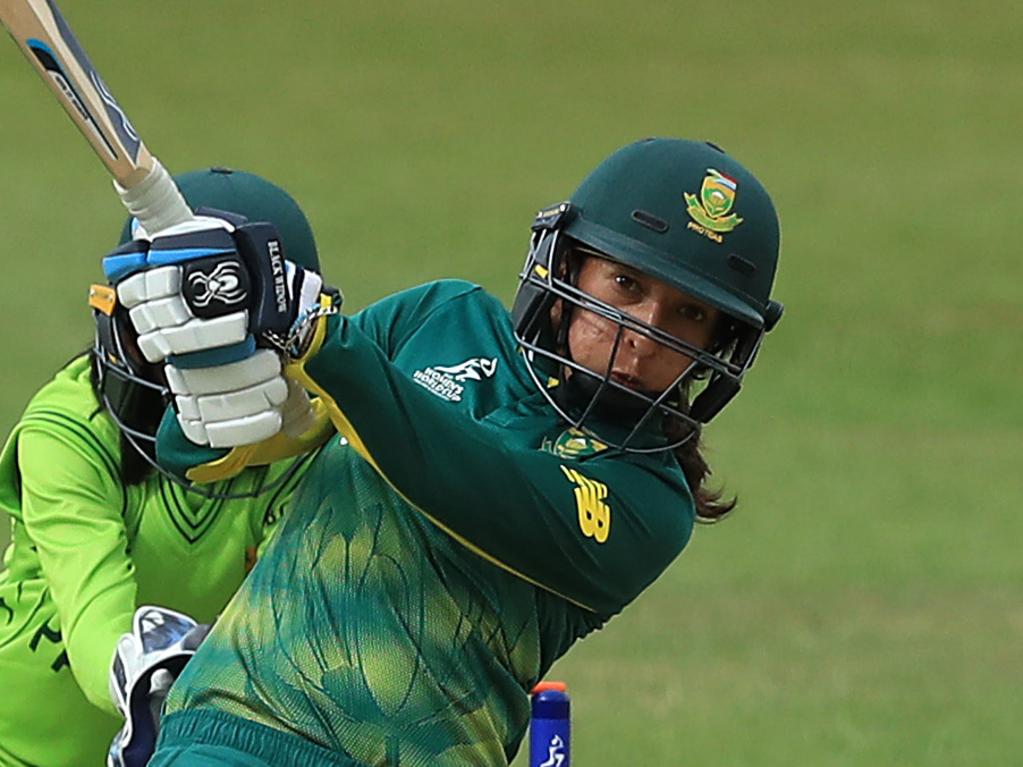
pixel 550 729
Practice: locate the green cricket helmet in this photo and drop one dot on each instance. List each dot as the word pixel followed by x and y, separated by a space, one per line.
pixel 133 390
pixel 687 214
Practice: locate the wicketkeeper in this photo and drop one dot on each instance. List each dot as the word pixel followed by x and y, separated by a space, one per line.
pixel 97 531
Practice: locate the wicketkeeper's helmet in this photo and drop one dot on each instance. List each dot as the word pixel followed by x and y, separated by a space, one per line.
pixel 687 214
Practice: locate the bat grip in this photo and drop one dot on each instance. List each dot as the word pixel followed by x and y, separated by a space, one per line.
pixel 156 201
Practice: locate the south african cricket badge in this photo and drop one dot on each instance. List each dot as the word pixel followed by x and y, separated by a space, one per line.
pixel 572 443
pixel 711 211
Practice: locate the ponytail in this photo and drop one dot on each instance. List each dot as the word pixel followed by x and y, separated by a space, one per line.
pixel 709 506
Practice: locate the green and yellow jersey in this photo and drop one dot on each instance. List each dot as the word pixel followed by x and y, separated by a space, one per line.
pixel 444 549
pixel 85 551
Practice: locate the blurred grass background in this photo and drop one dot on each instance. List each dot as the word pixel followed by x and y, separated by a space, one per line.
pixel 863 605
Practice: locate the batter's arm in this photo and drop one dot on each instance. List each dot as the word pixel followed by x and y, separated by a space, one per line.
pixel 594 533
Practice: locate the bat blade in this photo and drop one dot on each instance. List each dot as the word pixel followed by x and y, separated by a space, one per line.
pixel 47 41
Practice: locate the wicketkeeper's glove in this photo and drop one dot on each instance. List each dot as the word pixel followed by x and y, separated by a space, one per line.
pixel 146 663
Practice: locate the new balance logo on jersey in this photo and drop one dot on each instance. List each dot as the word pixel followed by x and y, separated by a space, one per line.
pixel 448 381
pixel 594 514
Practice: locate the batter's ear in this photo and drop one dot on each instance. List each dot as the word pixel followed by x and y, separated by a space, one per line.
pixel 562 268
pixel 556 309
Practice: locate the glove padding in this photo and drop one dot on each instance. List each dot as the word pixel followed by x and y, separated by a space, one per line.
pixel 233 404
pixel 202 296
pixel 146 663
pixel 210 283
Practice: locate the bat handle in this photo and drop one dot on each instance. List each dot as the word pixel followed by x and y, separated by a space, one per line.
pixel 155 201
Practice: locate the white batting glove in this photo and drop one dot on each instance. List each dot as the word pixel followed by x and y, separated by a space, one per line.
pixel 233 404
pixel 187 290
pixel 199 295
pixel 207 284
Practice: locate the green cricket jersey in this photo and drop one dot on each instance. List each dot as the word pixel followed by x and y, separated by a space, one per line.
pixel 441 553
pixel 85 551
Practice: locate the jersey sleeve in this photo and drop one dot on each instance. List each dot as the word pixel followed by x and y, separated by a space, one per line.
pixel 389 322
pixel 596 533
pixel 285 477
pixel 72 507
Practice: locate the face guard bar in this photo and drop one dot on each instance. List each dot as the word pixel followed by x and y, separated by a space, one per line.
pixel 593 402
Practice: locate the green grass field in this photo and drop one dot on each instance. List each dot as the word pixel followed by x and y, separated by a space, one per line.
pixel 863 605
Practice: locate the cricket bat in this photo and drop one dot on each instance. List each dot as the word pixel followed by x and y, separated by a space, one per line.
pixel 145 187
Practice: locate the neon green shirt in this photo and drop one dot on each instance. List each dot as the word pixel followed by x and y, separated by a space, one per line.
pixel 441 553
pixel 85 551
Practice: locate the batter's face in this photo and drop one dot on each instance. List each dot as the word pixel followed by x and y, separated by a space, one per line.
pixel 640 362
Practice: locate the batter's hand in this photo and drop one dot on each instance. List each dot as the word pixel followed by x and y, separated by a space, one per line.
pixel 205 284
pixel 228 404
pixel 204 297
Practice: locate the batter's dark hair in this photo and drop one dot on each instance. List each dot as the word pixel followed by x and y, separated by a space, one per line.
pixel 710 507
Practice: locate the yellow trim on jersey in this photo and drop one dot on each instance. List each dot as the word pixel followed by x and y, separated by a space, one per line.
pixel 282 446
pixel 230 465
pixel 276 448
pixel 296 371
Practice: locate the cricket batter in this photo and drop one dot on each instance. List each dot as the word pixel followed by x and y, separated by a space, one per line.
pixel 501 484
pixel 95 531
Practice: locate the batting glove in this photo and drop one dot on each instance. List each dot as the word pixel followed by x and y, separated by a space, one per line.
pixel 202 296
pixel 209 283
